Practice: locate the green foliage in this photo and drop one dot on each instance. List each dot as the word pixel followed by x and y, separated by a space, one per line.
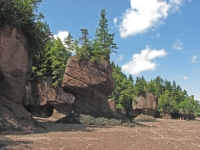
pixel 22 14
pixel 166 103
pixel 85 49
pixel 174 99
pixel 141 86
pixel 100 48
pixel 189 105
pixel 58 56
pixel 171 98
pixel 119 106
pixel 159 86
pixel 69 42
pixel 124 92
pixel 53 61
pixel 151 87
pixel 103 44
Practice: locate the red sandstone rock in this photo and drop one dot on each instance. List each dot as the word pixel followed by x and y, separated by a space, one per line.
pixel 15 69
pixel 90 84
pixel 40 92
pixel 146 105
pixel 112 105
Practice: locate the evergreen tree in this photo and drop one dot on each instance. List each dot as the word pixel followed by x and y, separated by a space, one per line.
pixel 53 61
pixel 141 86
pixel 59 57
pixel 69 43
pixel 168 86
pixel 124 91
pixel 165 103
pixel 131 79
pixel 171 98
pixel 84 51
pixel 151 87
pixel 159 86
pixel 104 43
pixel 189 105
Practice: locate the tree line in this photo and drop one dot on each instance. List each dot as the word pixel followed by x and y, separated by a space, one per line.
pixel 171 97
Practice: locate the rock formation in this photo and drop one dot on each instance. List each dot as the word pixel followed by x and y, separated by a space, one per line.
pixel 43 100
pixel 15 69
pixel 177 115
pixel 90 84
pixel 146 105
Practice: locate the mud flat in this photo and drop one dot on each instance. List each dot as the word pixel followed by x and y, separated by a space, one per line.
pixel 162 134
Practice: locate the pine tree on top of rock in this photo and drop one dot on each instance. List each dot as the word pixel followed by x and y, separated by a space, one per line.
pixel 104 43
pixel 84 51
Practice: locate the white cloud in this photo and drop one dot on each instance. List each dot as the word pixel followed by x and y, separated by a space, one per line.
pixel 115 20
pixel 61 34
pixel 143 61
pixel 178 45
pixel 195 59
pixel 185 78
pixel 175 5
pixel 145 14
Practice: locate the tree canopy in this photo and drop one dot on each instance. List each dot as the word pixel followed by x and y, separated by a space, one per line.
pixel 98 49
pixel 171 98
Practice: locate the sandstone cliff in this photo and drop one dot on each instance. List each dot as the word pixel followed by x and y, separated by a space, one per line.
pixel 90 84
pixel 43 100
pixel 15 69
pixel 146 105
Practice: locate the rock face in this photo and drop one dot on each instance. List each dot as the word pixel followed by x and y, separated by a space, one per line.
pixel 90 84
pixel 15 68
pixel 176 115
pixel 112 105
pixel 146 105
pixel 43 100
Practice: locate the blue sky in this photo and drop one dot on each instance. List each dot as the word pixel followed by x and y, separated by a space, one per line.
pixel 155 37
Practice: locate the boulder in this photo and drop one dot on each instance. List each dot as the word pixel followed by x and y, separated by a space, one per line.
pixel 15 69
pixel 14 116
pixel 91 84
pixel 44 100
pixel 146 104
